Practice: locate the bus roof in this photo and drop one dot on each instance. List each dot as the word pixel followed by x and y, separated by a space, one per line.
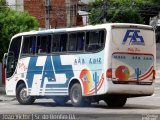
pixel 89 27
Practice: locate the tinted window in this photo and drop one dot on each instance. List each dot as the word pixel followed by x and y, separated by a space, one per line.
pixel 29 45
pixel 39 44
pixel 43 44
pixel 59 42
pixel 94 40
pixel 76 41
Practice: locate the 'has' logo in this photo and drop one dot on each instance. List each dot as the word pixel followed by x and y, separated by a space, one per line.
pixel 132 37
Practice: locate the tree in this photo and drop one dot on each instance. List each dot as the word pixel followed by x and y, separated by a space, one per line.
pixel 149 9
pixel 2 3
pixel 128 15
pixel 11 23
pixel 126 11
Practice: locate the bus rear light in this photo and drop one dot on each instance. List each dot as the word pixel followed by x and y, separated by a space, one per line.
pixel 154 74
pixel 109 73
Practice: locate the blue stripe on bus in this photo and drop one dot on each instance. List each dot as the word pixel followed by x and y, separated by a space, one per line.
pixel 49 71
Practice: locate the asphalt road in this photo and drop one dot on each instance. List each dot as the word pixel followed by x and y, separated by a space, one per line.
pixel 135 109
pixel 141 108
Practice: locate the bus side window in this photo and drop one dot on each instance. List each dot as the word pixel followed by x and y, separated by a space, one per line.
pixel 33 46
pixel 80 41
pixel 76 41
pixel 63 42
pixel 43 44
pixel 72 42
pixel 102 38
pixel 29 45
pixel 59 42
pixel 56 43
pixel 94 40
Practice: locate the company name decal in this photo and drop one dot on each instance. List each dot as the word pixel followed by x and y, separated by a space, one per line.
pixel 133 37
pixel 48 71
pixel 82 61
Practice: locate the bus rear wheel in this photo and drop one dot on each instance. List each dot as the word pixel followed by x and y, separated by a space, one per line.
pixel 76 96
pixel 21 95
pixel 116 101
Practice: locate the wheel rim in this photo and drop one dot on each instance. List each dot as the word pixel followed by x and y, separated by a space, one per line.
pixel 23 94
pixel 76 95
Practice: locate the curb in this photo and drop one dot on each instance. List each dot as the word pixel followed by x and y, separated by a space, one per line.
pixel 4 97
pixel 7 98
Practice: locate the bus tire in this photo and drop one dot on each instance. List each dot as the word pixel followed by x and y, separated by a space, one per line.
pixel 21 95
pixel 61 100
pixel 76 96
pixel 115 101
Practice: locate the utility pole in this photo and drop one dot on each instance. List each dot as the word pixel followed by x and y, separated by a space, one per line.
pixel 104 11
pixel 68 6
pixel 47 13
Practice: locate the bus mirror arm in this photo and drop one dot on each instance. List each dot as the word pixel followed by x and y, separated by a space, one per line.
pixel 4 60
pixel 4 66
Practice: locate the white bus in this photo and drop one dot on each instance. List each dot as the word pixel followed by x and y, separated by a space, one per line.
pixel 109 62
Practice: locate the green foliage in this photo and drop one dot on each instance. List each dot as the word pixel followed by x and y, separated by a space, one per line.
pixel 125 15
pixel 122 11
pixel 2 2
pixel 2 5
pixel 11 23
pixel 154 1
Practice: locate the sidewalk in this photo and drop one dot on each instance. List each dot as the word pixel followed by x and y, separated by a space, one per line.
pixel 4 97
pixel 2 90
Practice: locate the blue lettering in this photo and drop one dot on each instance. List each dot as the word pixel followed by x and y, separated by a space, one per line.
pixel 51 67
pixel 62 69
pixel 48 71
pixel 32 70
pixel 135 39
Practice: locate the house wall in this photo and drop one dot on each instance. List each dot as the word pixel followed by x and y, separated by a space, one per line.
pixel 15 4
pixel 62 14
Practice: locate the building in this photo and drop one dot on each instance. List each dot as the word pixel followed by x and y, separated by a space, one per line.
pixel 15 4
pixel 87 1
pixel 61 13
pixel 54 13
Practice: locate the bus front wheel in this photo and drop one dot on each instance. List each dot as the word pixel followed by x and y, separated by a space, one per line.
pixel 21 95
pixel 76 96
pixel 116 101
